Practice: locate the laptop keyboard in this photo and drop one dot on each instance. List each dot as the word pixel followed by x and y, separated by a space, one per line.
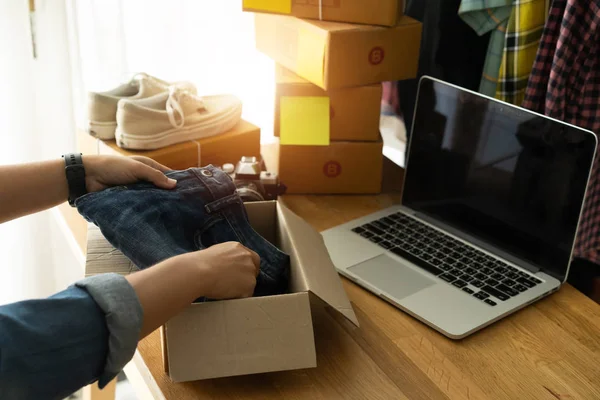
pixel 468 269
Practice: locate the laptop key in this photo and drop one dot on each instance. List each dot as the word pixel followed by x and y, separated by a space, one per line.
pixel 490 302
pixel 491 282
pixel 460 265
pixel 456 272
pixel 435 261
pixel 480 276
pixel 426 257
pixel 374 229
pixel 500 270
pixel 509 282
pixel 427 267
pixel 450 260
pixel 536 280
pixel 508 290
pixel 526 282
pixel 513 275
pixel 388 221
pixel 481 295
pixel 465 260
pixel 466 289
pixel 470 271
pixel 459 284
pixel 446 267
pixel 495 292
pixel 358 229
pixel 497 276
pixel 466 278
pixel 477 283
pixel 487 271
pixel 367 234
pixel 456 255
pixel 520 287
pixel 416 251
pixel 379 225
pixel 386 245
pixel 375 239
pixel 447 277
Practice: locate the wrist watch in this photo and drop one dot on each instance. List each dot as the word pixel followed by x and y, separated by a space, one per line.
pixel 75 176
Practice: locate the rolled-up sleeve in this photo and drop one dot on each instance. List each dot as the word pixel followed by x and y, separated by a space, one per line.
pixel 124 317
pixel 50 348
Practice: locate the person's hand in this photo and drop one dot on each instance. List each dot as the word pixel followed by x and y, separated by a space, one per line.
pixel 229 270
pixel 105 171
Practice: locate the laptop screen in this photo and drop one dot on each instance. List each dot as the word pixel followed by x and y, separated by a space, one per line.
pixel 513 179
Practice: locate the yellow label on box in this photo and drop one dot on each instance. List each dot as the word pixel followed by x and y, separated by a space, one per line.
pixel 311 56
pixel 304 120
pixel 277 6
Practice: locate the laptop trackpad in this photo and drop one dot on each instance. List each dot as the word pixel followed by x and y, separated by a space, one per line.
pixel 387 274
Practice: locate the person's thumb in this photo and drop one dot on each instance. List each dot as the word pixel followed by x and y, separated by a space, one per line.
pixel 144 172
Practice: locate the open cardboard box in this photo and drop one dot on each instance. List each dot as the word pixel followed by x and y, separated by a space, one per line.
pixel 254 335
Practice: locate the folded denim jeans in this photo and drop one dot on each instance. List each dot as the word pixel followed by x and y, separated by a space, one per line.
pixel 148 224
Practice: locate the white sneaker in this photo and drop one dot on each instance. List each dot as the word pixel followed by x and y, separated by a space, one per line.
pixel 174 117
pixel 102 106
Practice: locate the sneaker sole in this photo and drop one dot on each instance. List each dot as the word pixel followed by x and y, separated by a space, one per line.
pixel 223 124
pixel 102 130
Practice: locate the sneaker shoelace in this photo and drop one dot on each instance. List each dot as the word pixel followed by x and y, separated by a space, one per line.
pixel 174 109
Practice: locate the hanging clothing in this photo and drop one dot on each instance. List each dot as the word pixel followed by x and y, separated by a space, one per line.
pixel 523 34
pixel 488 16
pixel 450 50
pixel 565 84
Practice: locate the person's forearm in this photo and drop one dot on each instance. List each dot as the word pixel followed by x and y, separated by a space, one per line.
pixel 28 188
pixel 166 289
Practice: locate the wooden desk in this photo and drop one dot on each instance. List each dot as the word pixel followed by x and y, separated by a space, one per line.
pixel 550 350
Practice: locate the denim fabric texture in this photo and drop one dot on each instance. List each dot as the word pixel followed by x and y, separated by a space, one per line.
pixel 49 348
pixel 149 224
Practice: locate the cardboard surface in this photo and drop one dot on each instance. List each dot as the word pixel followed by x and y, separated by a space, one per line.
pixel 340 168
pixel 240 337
pixel 371 12
pixel 254 335
pixel 242 140
pixel 354 112
pixel 336 55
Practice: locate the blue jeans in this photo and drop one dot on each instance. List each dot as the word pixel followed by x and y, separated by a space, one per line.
pixel 149 224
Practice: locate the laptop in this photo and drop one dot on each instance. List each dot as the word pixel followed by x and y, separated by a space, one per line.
pixel 490 208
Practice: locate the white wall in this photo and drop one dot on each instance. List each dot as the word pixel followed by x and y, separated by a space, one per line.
pixel 36 122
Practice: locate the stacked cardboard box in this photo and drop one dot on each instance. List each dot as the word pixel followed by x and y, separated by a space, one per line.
pixel 328 84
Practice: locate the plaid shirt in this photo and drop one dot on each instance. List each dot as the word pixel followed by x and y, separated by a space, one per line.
pixel 565 84
pixel 516 27
pixel 523 33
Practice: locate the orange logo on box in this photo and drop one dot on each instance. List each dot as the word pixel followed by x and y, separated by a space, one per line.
pixel 376 56
pixel 332 169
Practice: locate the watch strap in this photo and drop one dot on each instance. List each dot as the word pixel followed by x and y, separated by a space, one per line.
pixel 75 173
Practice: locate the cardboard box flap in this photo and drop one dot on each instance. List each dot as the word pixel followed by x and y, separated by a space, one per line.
pixel 315 271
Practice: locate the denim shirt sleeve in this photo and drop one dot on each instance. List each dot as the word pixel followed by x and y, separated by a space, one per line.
pixel 50 348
